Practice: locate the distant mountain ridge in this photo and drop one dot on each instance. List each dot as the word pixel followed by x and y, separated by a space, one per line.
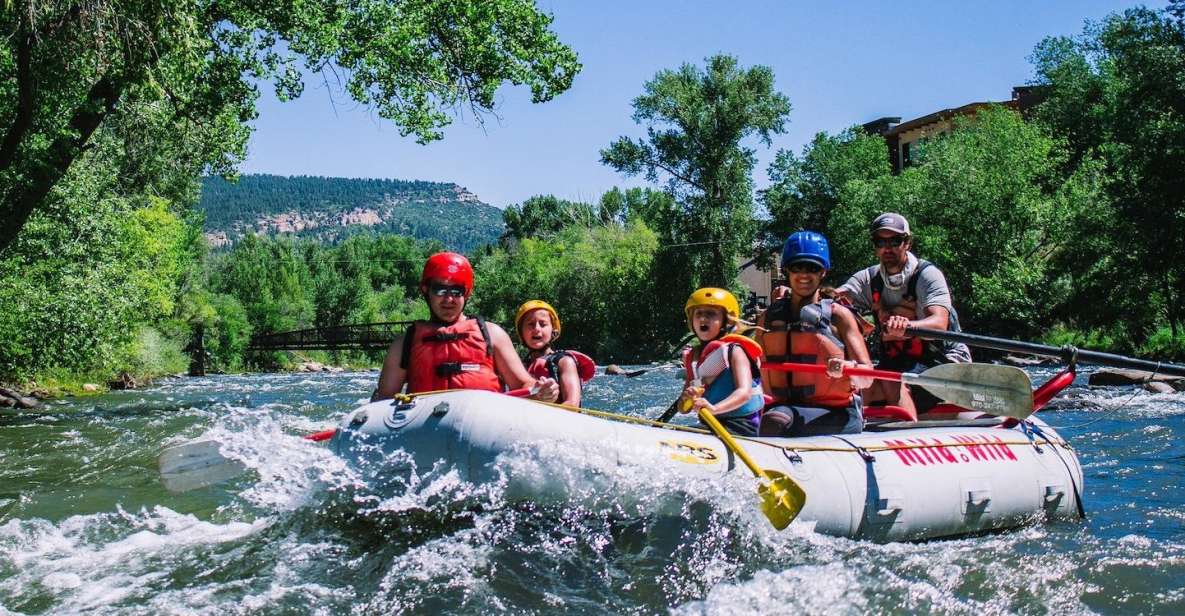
pixel 329 209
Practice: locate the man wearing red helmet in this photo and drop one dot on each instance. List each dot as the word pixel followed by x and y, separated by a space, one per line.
pixel 454 351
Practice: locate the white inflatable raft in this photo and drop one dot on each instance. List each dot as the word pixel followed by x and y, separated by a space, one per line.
pixel 892 484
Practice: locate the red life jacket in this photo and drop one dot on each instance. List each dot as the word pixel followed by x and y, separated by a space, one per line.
pixel 790 339
pixel 455 356
pixel 549 366
pixel 929 351
pixel 712 357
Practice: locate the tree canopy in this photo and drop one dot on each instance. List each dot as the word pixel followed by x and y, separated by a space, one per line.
pixel 1116 92
pixel 697 121
pixel 173 84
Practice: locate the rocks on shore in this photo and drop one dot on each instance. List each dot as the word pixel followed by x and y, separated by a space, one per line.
pixel 315 366
pixel 1117 376
pixel 614 369
pixel 15 399
pixel 1159 387
pixel 125 381
pixel 90 387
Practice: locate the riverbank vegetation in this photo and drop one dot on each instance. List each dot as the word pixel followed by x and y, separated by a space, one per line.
pixel 1067 224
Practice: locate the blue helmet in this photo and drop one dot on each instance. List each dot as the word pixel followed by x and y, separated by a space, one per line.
pixel 807 246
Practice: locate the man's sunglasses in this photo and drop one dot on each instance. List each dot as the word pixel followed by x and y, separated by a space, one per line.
pixel 804 267
pixel 442 290
pixel 884 242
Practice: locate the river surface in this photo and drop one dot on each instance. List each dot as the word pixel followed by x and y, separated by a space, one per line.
pixel 86 527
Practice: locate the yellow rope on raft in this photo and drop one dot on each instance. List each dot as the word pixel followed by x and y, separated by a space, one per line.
pixel 795 448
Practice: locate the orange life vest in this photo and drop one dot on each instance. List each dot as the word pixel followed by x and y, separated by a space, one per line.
pixel 811 340
pixel 455 356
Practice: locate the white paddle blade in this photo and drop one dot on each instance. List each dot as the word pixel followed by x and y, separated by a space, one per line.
pixel 987 388
pixel 196 464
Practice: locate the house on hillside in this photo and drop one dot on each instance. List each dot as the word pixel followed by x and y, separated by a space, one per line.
pixel 902 138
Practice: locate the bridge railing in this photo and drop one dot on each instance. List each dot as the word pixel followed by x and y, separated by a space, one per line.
pixel 369 336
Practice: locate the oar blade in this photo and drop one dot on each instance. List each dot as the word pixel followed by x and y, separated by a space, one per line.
pixel 1005 391
pixel 196 464
pixel 781 499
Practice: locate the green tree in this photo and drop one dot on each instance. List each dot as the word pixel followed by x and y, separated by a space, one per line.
pixel 86 276
pixel 989 205
pixel 173 83
pixel 600 279
pixel 696 123
pixel 1117 94
pixel 545 216
pixel 804 191
pixel 271 280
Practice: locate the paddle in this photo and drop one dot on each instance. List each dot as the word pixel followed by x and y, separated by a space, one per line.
pixel 670 412
pixel 1066 353
pixel 781 497
pixel 988 388
pixel 200 463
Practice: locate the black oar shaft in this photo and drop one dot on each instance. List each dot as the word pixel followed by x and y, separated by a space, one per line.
pixel 670 412
pixel 1066 354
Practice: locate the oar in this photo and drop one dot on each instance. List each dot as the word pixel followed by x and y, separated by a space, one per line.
pixel 1066 353
pixel 987 388
pixel 781 497
pixel 200 463
pixel 670 412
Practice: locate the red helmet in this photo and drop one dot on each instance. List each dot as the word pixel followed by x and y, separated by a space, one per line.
pixel 449 268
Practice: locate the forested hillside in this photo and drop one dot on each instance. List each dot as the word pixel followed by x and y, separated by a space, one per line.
pixel 331 209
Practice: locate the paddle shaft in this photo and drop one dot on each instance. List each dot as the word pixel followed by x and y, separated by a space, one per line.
pixel 1066 353
pixel 884 375
pixel 908 378
pixel 713 423
pixel 670 412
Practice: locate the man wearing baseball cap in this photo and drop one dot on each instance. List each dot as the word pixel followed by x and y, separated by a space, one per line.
pixel 903 291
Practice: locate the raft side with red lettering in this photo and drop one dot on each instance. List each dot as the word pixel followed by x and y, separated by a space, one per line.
pixel 959 449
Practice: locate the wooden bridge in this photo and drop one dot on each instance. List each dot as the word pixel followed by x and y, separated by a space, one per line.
pixel 364 337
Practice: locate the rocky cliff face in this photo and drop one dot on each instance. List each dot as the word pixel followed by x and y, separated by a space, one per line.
pixel 331 209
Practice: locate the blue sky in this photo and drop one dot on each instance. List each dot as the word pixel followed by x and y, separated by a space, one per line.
pixel 840 63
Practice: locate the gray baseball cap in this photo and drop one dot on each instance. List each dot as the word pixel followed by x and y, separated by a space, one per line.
pixel 891 222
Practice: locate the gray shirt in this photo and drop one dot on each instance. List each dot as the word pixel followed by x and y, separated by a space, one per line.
pixel 932 290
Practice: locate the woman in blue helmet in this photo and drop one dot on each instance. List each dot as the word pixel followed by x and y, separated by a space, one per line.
pixel 805 327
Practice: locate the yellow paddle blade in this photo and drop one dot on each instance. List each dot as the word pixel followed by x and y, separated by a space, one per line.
pixel 781 499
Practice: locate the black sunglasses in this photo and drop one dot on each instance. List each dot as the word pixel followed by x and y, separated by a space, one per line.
pixel 451 290
pixel 804 267
pixel 882 242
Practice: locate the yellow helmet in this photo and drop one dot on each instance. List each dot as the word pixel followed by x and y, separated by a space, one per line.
pixel 533 305
pixel 712 296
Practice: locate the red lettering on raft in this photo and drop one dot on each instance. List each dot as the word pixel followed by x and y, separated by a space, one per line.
pixel 934 451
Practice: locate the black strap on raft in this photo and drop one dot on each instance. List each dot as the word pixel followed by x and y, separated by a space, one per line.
pixel 1030 429
pixel 864 453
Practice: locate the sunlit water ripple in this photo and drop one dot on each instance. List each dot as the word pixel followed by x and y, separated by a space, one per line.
pixel 86 527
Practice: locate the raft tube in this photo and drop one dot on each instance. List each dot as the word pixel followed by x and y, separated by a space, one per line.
pixel 894 484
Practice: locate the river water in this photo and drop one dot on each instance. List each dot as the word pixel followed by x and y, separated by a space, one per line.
pixel 85 525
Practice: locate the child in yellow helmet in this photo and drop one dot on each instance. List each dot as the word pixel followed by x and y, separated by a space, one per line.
pixel 723 371
pixel 538 326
